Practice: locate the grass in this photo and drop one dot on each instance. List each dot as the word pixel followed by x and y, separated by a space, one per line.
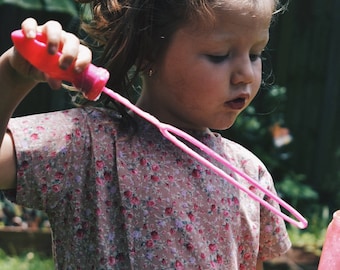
pixel 28 261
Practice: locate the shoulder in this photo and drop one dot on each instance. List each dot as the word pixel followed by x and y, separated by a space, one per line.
pixel 81 126
pixel 66 118
pixel 238 152
pixel 90 114
pixel 243 159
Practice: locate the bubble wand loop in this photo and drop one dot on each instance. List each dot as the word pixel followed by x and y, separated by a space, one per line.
pixel 92 83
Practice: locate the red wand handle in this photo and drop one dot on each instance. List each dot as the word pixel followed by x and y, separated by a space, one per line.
pixel 90 82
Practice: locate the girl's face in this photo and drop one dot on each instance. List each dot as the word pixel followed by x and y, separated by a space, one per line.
pixel 209 73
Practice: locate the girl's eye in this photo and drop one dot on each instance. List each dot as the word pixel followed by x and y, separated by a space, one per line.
pixel 254 57
pixel 217 58
pixel 221 58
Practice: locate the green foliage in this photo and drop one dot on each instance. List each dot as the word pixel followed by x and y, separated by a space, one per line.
pixel 293 187
pixel 29 261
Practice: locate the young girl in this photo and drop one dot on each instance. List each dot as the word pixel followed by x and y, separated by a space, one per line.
pixel 117 193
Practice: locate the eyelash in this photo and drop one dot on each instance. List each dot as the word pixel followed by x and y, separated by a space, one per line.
pixel 217 59
pixel 254 57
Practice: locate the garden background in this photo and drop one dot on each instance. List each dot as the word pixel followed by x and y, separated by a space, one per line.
pixel 293 123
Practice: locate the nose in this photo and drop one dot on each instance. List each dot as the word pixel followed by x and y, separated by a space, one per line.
pixel 243 71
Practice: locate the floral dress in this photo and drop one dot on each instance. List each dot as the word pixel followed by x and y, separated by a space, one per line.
pixel 136 201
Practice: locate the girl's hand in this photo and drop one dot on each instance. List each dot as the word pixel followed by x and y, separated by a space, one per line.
pixel 72 51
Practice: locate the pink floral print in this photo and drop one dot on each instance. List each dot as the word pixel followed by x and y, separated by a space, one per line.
pixel 122 201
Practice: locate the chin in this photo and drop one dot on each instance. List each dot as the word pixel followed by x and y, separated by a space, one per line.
pixel 223 122
pixel 222 127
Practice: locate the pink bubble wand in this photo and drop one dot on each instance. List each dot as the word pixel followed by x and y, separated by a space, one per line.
pixel 91 83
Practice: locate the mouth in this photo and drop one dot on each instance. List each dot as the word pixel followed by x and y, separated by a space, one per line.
pixel 237 103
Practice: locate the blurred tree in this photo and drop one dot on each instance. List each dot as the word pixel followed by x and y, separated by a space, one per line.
pixel 306 60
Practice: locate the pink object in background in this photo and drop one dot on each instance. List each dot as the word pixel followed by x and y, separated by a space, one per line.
pixel 330 256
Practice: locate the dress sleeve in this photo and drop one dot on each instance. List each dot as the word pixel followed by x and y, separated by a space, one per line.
pixel 50 154
pixel 274 239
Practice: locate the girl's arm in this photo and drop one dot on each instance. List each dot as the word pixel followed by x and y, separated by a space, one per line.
pixel 7 164
pixel 259 265
pixel 13 88
pixel 18 77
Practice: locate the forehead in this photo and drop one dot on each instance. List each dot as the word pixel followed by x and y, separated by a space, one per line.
pixel 250 7
pixel 229 24
pixel 261 9
pixel 252 12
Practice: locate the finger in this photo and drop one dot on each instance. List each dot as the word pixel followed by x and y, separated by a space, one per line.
pixel 29 27
pixel 53 83
pixel 53 31
pixel 84 59
pixel 70 50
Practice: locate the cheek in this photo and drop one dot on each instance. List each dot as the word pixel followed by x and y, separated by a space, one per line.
pixel 181 79
pixel 257 78
pixel 200 79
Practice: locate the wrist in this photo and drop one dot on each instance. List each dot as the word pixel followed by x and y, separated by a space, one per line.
pixel 15 80
pixel 14 86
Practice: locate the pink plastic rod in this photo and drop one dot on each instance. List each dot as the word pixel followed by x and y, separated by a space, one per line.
pixel 92 82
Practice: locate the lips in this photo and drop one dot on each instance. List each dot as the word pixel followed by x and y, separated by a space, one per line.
pixel 237 103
